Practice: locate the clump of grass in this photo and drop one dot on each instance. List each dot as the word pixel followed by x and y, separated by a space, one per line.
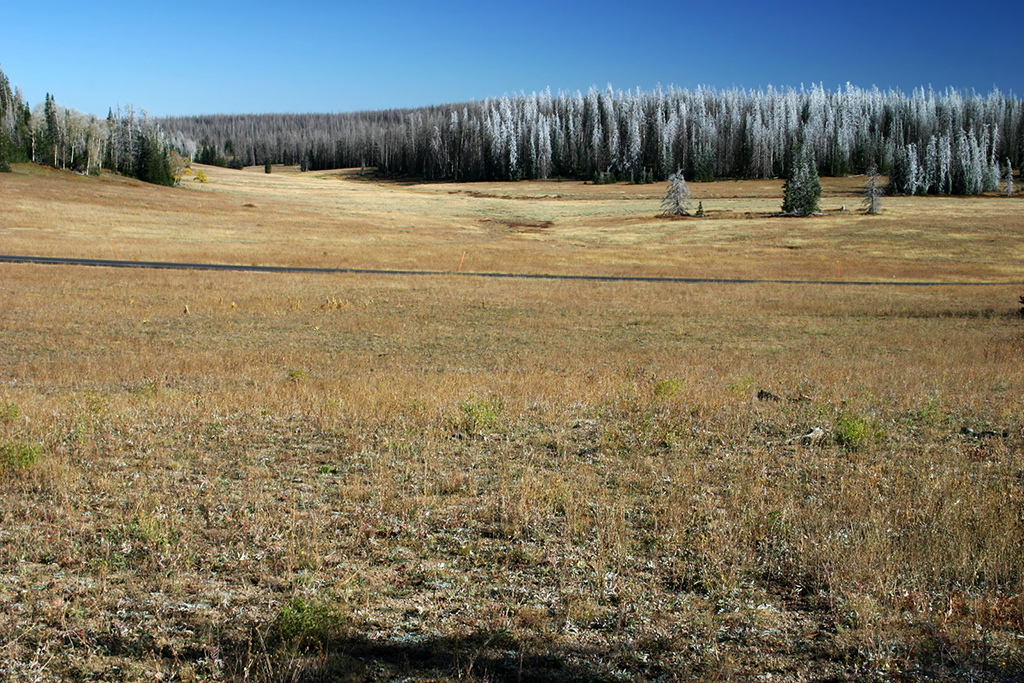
pixel 642 421
pixel 480 415
pixel 667 388
pixel 308 623
pixel 853 431
pixel 742 385
pixel 9 412
pixel 297 375
pixel 19 455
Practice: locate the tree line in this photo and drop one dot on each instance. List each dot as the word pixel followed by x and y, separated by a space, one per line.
pixel 926 142
pixel 949 143
pixel 60 137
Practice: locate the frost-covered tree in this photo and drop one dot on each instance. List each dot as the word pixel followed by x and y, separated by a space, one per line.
pixel 990 171
pixel 968 165
pixel 873 192
pixel 802 190
pixel 1009 178
pixel 676 201
pixel 707 133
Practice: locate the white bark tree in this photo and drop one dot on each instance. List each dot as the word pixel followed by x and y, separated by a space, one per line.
pixel 873 192
pixel 676 201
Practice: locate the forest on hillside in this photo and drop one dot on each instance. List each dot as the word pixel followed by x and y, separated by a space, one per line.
pixel 60 137
pixel 927 142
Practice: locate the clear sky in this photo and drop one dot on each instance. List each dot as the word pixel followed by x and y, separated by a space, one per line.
pixel 227 56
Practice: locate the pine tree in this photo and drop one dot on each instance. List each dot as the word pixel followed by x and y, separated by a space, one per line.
pixel 1009 178
pixel 676 201
pixel 153 164
pixel 803 188
pixel 7 116
pixel 51 134
pixel 5 167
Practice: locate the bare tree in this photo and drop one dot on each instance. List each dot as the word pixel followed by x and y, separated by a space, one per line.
pixel 873 192
pixel 1009 178
pixel 676 201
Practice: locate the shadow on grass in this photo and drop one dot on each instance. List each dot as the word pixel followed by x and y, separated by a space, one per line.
pixel 484 656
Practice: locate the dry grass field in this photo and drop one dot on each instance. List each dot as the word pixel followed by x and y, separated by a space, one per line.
pixel 269 477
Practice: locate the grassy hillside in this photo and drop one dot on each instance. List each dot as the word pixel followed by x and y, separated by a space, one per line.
pixel 283 477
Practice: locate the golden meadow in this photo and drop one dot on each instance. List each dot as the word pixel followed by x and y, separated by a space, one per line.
pixel 236 476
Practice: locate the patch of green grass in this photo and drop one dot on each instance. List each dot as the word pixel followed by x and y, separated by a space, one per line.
pixel 481 414
pixel 296 376
pixel 146 389
pixel 853 431
pixel 19 455
pixel 667 388
pixel 305 622
pixel 742 385
pixel 9 412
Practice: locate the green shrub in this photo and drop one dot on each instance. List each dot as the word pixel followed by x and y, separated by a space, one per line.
pixel 853 431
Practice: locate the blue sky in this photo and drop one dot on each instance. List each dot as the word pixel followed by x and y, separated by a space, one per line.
pixel 224 56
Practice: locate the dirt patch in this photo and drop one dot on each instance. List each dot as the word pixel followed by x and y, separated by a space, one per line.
pixel 518 225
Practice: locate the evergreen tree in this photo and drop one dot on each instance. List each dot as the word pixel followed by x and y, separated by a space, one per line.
pixel 1009 178
pixel 968 170
pixel 7 116
pixel 5 166
pixel 23 130
pixel 906 176
pixel 49 136
pixel 676 201
pixel 153 164
pixel 803 188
